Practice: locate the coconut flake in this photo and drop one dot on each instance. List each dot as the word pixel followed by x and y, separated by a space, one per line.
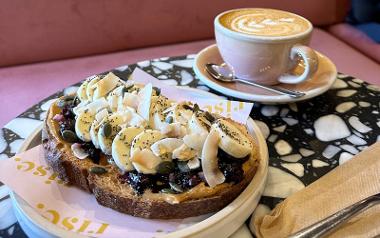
pixel 78 151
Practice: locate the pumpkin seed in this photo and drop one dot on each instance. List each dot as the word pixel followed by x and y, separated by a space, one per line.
pixel 169 119
pixel 69 136
pixel 98 170
pixel 167 190
pixel 175 187
pixel 183 167
pixel 196 108
pixel 165 167
pixel 106 129
pixel 157 90
pixel 209 117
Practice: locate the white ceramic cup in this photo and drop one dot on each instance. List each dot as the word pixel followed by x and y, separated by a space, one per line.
pixel 266 59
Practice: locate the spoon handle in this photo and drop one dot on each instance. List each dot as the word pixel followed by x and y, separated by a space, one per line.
pixel 279 90
pixel 330 223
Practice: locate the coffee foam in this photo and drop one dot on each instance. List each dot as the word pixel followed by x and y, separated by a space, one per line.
pixel 264 22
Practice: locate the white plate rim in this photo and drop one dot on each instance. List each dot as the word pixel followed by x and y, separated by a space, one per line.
pixel 195 230
pixel 280 99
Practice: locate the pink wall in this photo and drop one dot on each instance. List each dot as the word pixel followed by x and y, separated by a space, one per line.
pixel 43 30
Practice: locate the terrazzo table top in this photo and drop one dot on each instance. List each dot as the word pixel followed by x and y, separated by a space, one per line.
pixel 305 140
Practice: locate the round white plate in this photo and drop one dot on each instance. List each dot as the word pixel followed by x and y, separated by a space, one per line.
pixel 319 83
pixel 221 224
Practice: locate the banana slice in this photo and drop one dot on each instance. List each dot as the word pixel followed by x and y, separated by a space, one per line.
pixel 83 124
pixel 81 93
pixel 113 97
pixel 108 129
pixel 105 85
pixel 184 153
pixel 121 147
pixel 90 89
pixel 209 160
pixel 145 97
pixel 144 161
pixel 233 141
pixel 145 140
pixel 99 117
pixel 158 105
pixel 166 145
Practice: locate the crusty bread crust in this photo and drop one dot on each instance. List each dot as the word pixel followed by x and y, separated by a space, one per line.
pixel 110 192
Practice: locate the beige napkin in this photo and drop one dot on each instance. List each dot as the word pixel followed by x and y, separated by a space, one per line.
pixel 351 182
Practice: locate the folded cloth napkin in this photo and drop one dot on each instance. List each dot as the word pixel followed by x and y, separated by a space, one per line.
pixel 347 184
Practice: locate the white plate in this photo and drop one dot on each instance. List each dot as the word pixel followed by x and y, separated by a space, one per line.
pixel 221 224
pixel 319 83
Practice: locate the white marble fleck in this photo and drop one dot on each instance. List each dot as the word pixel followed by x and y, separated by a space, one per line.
pixel 339 84
pixel 23 126
pixel 7 217
pixel 295 168
pixel 188 63
pixel 186 77
pixel 280 128
pixel 378 138
pixel 364 104
pixel 3 156
pixel 358 133
pixel 306 152
pixel 330 151
pixel 282 147
pixel 375 112
pixel 309 131
pixel 284 112
pixel 269 111
pixel 316 163
pixel 291 158
pixel 290 121
pixel 349 148
pixel 122 68
pixel 164 58
pixel 356 140
pixel 356 80
pixel 144 63
pixel 293 107
pixel 191 56
pixel 171 82
pixel 204 88
pixel 354 85
pixel 15 145
pixel 346 93
pixel 358 125
pixel 281 184
pixel 45 106
pixel 162 77
pixel 11 230
pixel 157 71
pixel 260 211
pixel 272 138
pixel 345 106
pixel 344 157
pixel 374 88
pixel 378 123
pixel 162 65
pixel 342 76
pixel 263 128
pixel 70 90
pixel 3 143
pixel 330 127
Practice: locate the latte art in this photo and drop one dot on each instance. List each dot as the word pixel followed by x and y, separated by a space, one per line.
pixel 264 22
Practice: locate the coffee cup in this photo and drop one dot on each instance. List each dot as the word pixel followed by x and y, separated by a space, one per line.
pixel 264 45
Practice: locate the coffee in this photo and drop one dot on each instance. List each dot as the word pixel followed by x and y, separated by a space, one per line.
pixel 264 22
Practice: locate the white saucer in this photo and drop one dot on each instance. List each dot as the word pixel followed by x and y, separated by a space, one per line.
pixel 321 81
pixel 221 224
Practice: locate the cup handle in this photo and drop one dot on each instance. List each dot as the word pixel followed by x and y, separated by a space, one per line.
pixel 310 59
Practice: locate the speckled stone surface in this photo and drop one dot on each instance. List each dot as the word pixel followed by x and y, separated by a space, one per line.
pixel 305 140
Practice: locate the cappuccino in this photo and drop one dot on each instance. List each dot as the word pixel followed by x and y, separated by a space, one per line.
pixel 264 22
